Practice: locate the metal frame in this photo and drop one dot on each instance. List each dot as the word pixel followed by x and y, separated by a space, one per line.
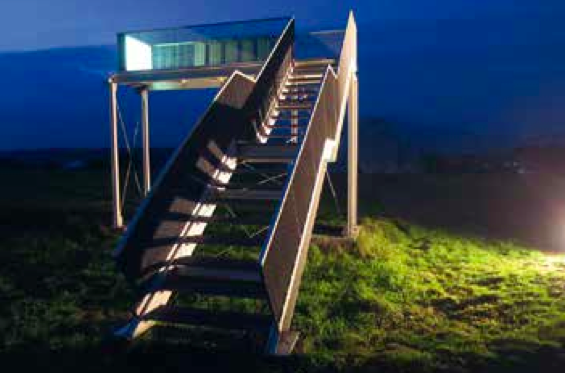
pixel 144 93
pixel 352 229
pixel 118 219
pixel 283 257
pixel 340 93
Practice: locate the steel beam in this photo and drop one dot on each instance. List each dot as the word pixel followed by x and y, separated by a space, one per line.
pixel 144 93
pixel 115 151
pixel 352 156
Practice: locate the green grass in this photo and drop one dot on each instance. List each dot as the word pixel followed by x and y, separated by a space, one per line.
pixel 415 299
pixel 402 299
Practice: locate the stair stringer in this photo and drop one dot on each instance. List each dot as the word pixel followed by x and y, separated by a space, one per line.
pixel 152 300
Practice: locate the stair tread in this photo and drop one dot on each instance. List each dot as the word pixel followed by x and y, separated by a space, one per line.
pixel 230 240
pixel 295 105
pixel 208 318
pixel 289 117
pixel 219 283
pixel 306 76
pixel 236 185
pixel 287 126
pixel 240 220
pixel 304 82
pixel 316 69
pixel 302 90
pixel 218 263
pixel 216 271
pixel 299 100
pixel 208 239
pixel 297 74
pixel 273 169
pixel 314 62
pixel 243 194
pixel 267 152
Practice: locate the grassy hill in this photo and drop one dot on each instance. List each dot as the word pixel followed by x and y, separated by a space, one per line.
pixel 403 298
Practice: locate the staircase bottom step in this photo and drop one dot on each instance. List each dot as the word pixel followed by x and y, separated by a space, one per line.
pixel 229 341
pixel 211 319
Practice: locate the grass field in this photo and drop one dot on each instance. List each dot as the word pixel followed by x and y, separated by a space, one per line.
pixel 402 299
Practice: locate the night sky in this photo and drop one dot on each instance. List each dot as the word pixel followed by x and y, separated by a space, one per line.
pixel 38 24
pixel 440 70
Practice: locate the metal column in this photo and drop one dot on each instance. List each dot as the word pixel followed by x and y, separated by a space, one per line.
pixel 352 156
pixel 144 93
pixel 117 210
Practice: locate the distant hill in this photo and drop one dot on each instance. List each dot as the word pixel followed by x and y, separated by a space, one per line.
pixel 58 98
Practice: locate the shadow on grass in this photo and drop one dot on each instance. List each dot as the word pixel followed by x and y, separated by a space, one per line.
pixel 114 356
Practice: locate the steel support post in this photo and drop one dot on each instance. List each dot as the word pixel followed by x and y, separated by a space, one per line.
pixel 352 157
pixel 114 144
pixel 144 93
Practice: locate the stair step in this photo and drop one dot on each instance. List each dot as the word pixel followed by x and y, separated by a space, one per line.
pixel 301 83
pixel 314 62
pixel 243 194
pixel 260 169
pixel 283 132
pixel 212 319
pixel 247 185
pixel 292 80
pixel 210 270
pixel 299 100
pixel 299 91
pixel 286 115
pixel 294 106
pixel 266 153
pixel 228 220
pixel 219 263
pixel 284 137
pixel 301 127
pixel 298 74
pixel 319 70
pixel 220 281
pixel 208 239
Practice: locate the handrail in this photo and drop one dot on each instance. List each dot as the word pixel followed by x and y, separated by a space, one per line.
pixel 226 106
pixel 269 80
pixel 347 69
pixel 284 254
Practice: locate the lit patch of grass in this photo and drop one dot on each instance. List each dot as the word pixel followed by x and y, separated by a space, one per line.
pixel 407 298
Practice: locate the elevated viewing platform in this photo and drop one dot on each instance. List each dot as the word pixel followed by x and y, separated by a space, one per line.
pixel 247 178
pixel 204 56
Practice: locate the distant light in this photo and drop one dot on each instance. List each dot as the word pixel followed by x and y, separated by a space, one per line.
pixel 553 262
pixel 138 55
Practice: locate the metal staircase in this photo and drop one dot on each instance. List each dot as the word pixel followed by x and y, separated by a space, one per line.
pixel 232 213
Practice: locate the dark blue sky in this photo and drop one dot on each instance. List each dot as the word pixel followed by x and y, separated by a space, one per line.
pixel 455 73
pixel 38 24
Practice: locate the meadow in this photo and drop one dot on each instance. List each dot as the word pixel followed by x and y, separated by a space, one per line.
pixel 405 297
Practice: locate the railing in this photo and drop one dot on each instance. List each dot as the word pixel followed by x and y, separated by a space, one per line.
pixel 347 69
pixel 182 183
pixel 269 80
pixel 319 44
pixel 284 255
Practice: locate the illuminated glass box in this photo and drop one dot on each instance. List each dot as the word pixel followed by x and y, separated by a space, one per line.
pixel 199 46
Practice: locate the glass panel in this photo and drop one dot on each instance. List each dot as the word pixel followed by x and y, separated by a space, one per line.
pixel 205 45
pixel 231 49
pixel 319 44
pixel 264 46
pixel 248 50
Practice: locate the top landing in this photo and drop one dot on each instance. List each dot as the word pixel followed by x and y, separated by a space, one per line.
pixel 196 56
